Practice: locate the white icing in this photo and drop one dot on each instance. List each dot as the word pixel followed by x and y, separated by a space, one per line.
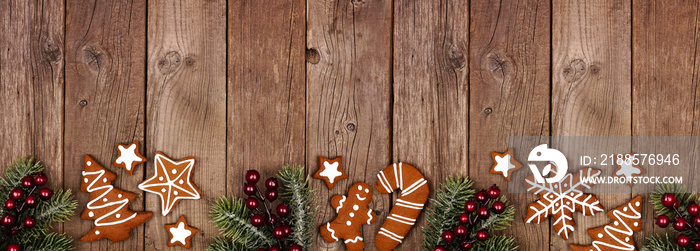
pixel 180 233
pixel 385 183
pixel 118 216
pixel 331 172
pixel 174 171
pixel 626 231
pixel 352 215
pixel 359 187
pixel 369 216
pixel 91 214
pixel 355 240
pixel 391 235
pixel 360 198
pixel 127 156
pixel 105 199
pixel 104 180
pixel 86 180
pixel 355 207
pixel 627 168
pixel 328 227
pixel 340 202
pixel 89 163
pixel 168 201
pixel 401 219
pixel 97 232
pixel 101 221
pixel 503 164
pixel 348 223
pixel 366 190
pixel 413 187
pixel 161 178
pixel 119 195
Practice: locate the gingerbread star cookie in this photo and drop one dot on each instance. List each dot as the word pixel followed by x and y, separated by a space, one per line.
pixel 129 157
pixel 181 233
pixel 330 171
pixel 504 164
pixel 627 168
pixel 172 181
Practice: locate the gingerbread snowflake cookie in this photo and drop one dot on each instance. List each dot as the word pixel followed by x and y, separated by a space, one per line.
pixel 330 171
pixel 504 164
pixel 181 233
pixel 172 181
pixel 129 157
pixel 353 212
pixel 628 167
pixel 617 235
pixel 108 206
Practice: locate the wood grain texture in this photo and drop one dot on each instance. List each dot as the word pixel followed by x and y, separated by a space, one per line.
pixel 591 90
pixel 31 84
pixel 509 83
pixel 349 100
pixel 431 99
pixel 187 107
pixel 105 100
pixel 665 88
pixel 266 89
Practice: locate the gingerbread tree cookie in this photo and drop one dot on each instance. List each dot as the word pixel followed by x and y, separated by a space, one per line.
pixel 181 233
pixel 617 235
pixel 561 199
pixel 504 164
pixel 108 205
pixel 330 171
pixel 129 157
pixel 172 181
pixel 352 214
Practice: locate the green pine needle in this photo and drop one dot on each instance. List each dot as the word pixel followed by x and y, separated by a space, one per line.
pixel 233 219
pixel 224 244
pixel 681 193
pixel 496 243
pixel 50 242
pixel 296 193
pixel 661 243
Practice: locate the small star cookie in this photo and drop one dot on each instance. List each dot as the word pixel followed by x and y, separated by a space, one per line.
pixel 627 168
pixel 129 157
pixel 330 171
pixel 172 181
pixel 504 164
pixel 181 233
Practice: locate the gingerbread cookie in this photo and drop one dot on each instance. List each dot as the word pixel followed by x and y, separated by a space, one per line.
pixel 181 233
pixel 627 168
pixel 129 157
pixel 504 164
pixel 618 235
pixel 352 214
pixel 108 206
pixel 172 181
pixel 330 171
pixel 414 194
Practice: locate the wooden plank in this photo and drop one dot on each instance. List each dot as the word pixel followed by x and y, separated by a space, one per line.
pixel 31 84
pixel 105 99
pixel 266 104
pixel 665 87
pixel 510 96
pixel 430 121
pixel 186 111
pixel 349 100
pixel 591 89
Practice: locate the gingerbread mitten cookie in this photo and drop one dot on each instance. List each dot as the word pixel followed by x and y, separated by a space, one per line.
pixel 108 206
pixel 352 214
pixel 414 194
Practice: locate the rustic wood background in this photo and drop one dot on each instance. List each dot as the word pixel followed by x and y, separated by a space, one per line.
pixel 248 84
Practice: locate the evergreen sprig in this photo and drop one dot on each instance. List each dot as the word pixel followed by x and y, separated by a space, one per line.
pixel 296 193
pixel 661 243
pixel 679 191
pixel 497 243
pixel 233 219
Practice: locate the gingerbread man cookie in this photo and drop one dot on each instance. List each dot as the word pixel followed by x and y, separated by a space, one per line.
pixel 330 171
pixel 352 214
pixel 129 157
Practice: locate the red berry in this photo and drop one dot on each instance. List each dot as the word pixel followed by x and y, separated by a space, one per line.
pixel 252 176
pixel 278 232
pixel 45 193
pixel 251 203
pixel 483 213
pixel 13 247
pixel 461 231
pixel 676 204
pixel 482 235
pixel 257 220
pixel 463 218
pixel 271 195
pixel 470 206
pixel 662 221
pixel 668 199
pixel 31 201
pixel 10 204
pixel 249 189
pixel 40 179
pixel 16 193
pixel 271 184
pixel 498 207
pixel 467 246
pixel 696 221
pixel 683 240
pixel 696 246
pixel 274 248
pixel 29 222
pixel 439 248
pixel 481 196
pixel 494 192
pixel 272 220
pixel 448 236
pixel 680 224
pixel 694 209
pixel 287 230
pixel 295 247
pixel 8 220
pixel 14 231
pixel 282 210
pixel 27 182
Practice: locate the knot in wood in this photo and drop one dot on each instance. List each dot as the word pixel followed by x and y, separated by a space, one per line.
pixel 93 57
pixel 351 127
pixel 575 70
pixel 498 64
pixel 456 57
pixel 488 110
pixel 312 56
pixel 82 103
pixel 189 61
pixel 170 62
pixel 595 69
pixel 52 51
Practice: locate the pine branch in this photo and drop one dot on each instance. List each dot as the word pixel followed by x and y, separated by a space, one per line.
pixel 496 243
pixel 296 193
pixel 50 242
pixel 13 176
pixel 224 244
pixel 497 222
pixel 445 210
pixel 232 217
pixel 660 243
pixel 57 209
pixel 679 191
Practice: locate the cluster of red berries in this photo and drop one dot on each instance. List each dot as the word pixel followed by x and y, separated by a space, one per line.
pixel 18 202
pixel 680 223
pixel 475 210
pixel 262 205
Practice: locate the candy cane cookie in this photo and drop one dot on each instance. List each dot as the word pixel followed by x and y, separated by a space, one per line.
pixel 414 194
pixel 352 213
